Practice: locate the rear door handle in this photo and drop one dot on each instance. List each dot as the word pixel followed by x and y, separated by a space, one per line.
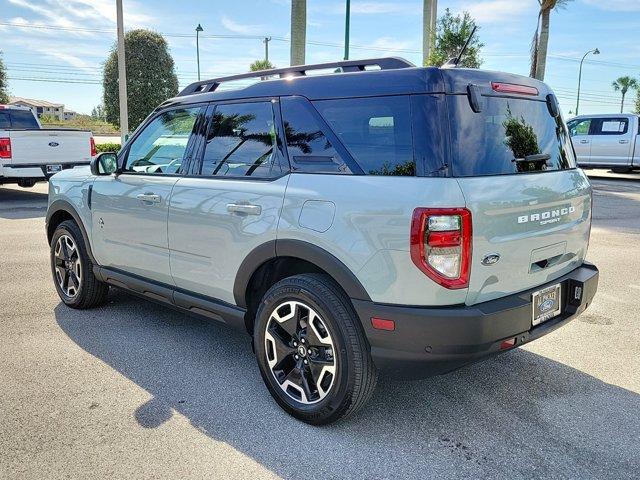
pixel 584 141
pixel 623 141
pixel 149 197
pixel 244 208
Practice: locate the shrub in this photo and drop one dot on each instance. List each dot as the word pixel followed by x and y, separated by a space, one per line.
pixel 107 147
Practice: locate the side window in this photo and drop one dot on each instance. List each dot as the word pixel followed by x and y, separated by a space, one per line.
pixel 611 126
pixel 579 127
pixel 309 149
pixel 5 121
pixel 160 147
pixel 241 141
pixel 376 131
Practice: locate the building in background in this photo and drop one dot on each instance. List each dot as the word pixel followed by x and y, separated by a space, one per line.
pixel 42 107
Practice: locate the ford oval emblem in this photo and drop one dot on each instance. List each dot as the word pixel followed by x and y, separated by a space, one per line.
pixel 490 259
pixel 53 144
pixel 546 305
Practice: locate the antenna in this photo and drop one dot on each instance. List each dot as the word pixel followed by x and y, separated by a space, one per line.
pixel 453 62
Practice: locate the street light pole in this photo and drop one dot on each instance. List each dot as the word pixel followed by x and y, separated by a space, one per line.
pixel 122 76
pixel 595 51
pixel 198 30
pixel 346 30
pixel 266 48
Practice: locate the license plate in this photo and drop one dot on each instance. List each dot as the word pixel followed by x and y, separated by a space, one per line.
pixel 546 304
pixel 54 168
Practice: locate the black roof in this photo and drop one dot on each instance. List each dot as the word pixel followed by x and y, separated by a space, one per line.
pixel 398 78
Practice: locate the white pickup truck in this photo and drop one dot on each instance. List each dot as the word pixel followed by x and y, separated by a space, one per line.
pixel 606 141
pixel 29 153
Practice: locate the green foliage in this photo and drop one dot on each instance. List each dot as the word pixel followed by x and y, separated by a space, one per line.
pixel 108 147
pixel 97 113
pixel 81 122
pixel 623 85
pixel 4 93
pixel 151 77
pixel 261 65
pixel 450 36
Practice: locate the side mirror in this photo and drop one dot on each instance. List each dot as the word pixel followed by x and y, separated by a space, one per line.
pixel 105 163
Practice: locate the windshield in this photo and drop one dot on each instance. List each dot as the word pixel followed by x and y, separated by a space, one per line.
pixel 508 136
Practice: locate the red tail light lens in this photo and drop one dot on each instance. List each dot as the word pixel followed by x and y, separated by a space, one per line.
pixel 92 144
pixel 5 148
pixel 441 245
pixel 513 88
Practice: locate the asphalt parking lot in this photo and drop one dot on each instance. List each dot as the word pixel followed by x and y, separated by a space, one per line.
pixel 133 390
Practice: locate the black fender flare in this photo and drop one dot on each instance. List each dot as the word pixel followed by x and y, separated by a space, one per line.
pixel 303 251
pixel 67 207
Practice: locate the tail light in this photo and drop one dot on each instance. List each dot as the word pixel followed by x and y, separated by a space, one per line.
pixel 5 148
pixel 513 88
pixel 441 245
pixel 92 143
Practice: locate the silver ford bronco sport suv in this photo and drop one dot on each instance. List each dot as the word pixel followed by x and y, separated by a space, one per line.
pixel 380 217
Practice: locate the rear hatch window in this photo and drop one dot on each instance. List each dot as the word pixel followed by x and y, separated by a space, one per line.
pixel 509 136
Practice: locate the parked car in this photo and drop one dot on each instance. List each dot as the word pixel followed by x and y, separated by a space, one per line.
pixel 606 141
pixel 380 218
pixel 29 153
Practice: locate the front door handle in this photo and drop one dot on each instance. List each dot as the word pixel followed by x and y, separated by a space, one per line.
pixel 149 197
pixel 584 141
pixel 245 208
pixel 623 141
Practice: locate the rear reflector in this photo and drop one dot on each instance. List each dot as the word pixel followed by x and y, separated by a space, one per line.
pixel 382 324
pixel 508 343
pixel 513 88
pixel 5 148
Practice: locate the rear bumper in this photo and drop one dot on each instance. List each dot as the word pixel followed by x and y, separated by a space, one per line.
pixel 33 170
pixel 430 341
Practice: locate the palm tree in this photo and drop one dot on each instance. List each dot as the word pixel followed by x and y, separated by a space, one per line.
pixel 298 31
pixel 541 37
pixel 429 15
pixel 623 84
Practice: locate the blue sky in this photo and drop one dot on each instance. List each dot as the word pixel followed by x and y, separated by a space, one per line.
pixel 65 42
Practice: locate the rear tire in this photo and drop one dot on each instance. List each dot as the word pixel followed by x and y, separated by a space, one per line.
pixel 311 350
pixel 621 170
pixel 72 269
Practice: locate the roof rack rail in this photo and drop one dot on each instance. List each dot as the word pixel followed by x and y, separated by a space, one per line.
pixel 385 63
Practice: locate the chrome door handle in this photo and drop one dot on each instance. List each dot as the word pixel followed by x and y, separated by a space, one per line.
pixel 623 141
pixel 244 208
pixel 584 141
pixel 149 197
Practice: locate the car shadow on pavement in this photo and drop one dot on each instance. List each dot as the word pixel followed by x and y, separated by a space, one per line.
pixel 21 204
pixel 519 415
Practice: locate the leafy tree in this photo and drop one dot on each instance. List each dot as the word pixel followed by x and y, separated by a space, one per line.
pixel 97 113
pixel 151 77
pixel 261 65
pixel 451 34
pixel 540 40
pixel 622 85
pixel 4 93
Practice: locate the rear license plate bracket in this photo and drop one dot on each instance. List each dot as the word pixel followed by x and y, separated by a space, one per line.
pixel 546 304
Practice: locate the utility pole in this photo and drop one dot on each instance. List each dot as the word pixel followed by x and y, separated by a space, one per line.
pixel 429 18
pixel 198 30
pixel 347 23
pixel 595 52
pixel 122 76
pixel 266 47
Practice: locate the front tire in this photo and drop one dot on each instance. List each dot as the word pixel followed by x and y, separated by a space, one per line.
pixel 72 269
pixel 312 353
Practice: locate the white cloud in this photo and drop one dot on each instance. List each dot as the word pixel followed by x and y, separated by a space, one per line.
pixel 494 11
pixel 243 29
pixel 615 5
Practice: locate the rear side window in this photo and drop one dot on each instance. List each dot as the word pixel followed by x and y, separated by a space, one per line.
pixel 376 131
pixel 508 136
pixel 18 119
pixel 241 141
pixel 310 150
pixel 610 126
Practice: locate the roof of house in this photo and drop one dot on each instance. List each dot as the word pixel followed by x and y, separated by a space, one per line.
pixel 35 103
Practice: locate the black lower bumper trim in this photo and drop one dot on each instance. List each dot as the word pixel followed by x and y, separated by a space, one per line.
pixel 430 341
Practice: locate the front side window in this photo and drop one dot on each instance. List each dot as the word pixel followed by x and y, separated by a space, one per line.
pixel 376 131
pixel 579 127
pixel 241 141
pixel 310 150
pixel 160 148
